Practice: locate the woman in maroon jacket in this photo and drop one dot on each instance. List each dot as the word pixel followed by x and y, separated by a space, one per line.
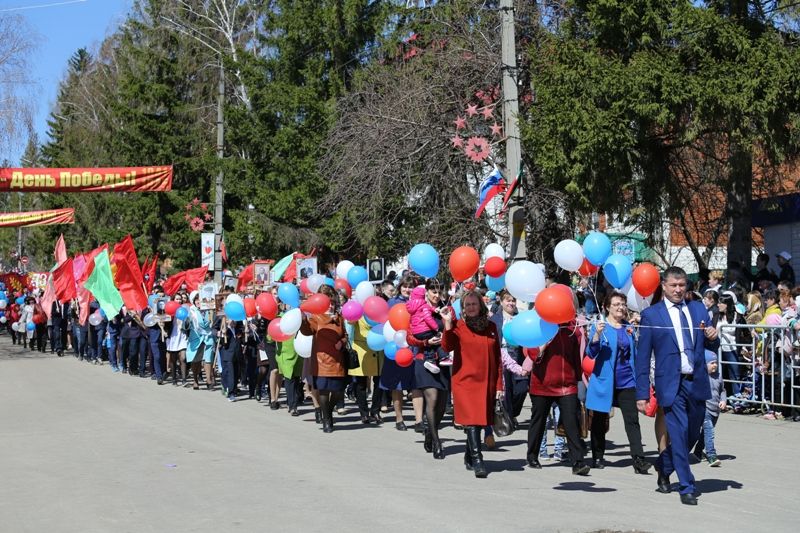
pixel 477 381
pixel 554 378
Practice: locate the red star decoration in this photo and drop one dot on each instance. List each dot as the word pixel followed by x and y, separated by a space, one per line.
pixel 460 123
pixel 497 129
pixel 477 149
pixel 208 216
pixel 204 207
pixel 457 141
pixel 487 112
pixel 472 110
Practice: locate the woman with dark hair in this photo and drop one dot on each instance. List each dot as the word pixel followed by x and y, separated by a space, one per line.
pixel 477 380
pixel 328 373
pixel 612 382
pixel 176 347
pixel 728 318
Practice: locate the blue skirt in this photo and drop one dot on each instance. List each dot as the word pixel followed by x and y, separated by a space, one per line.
pixel 425 380
pixel 329 384
pixel 395 377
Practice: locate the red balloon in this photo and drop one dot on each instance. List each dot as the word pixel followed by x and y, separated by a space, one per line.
pixel 588 269
pixel 404 357
pixel 266 305
pixel 399 317
pixel 563 288
pixel 646 279
pixel 171 307
pixel 376 309
pixel 316 304
pixel 341 284
pixel 495 267
pixel 587 365
pixel 250 307
pixel 274 331
pixel 555 305
pixel 464 263
pixel 304 286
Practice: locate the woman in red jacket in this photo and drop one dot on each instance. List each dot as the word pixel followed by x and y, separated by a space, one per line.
pixel 554 378
pixel 477 381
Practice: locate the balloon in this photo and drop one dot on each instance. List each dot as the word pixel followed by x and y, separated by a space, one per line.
pixel 364 290
pixel 376 308
pixel 233 297
pixel 400 339
pixel 181 313
pixel 356 275
pixel 404 357
pixel 315 282
pixel 343 268
pixel 388 332
pixel 596 248
pixel 464 263
pixel 172 307
pixel 375 340
pixel 507 336
pixel 291 322
pixel 390 350
pixel 636 302
pixel 587 364
pixel 529 330
pixel 15 326
pixel 494 250
pixel 524 280
pixel 304 288
pixel 275 332
pixel 352 310
pixel 617 270
pixel 20 301
pixel 494 267
pixel 371 323
pixel 555 305
pixel 95 319
pixel 587 269
pixel 149 320
pixel 329 282
pixel 496 284
pixel 288 294
pixel 3 320
pixel 316 304
pixel 302 345
pixel 341 285
pixel 399 317
pixel 266 305
pixel 250 307
pixel 646 279
pixel 568 255
pixel 3 304
pixel 30 326
pixel 424 260
pixel 234 311
pixel 457 309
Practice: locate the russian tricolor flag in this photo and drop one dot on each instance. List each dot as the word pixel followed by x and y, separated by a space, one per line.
pixel 490 187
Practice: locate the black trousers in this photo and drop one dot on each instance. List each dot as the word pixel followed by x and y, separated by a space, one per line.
pixel 626 399
pixel 569 407
pixel 516 391
pixel 294 390
pixel 361 395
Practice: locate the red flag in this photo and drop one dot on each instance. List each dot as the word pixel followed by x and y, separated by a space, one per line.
pixel 130 287
pixel 145 265
pixel 223 251
pixel 192 278
pixel 245 277
pixel 60 252
pixel 149 273
pixel 125 252
pixel 64 281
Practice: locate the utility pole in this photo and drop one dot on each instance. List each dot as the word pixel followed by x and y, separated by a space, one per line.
pixel 19 237
pixel 516 214
pixel 219 192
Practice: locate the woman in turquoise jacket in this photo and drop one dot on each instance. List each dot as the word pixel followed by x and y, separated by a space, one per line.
pixel 612 382
pixel 200 345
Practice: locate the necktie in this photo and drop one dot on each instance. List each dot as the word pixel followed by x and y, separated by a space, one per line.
pixel 688 344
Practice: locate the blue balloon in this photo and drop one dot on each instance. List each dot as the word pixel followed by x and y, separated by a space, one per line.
pixel 372 323
pixel 30 326
pixel 102 313
pixel 329 282
pixel 288 294
pixel 529 330
pixel 507 336
pixel 234 311
pixel 596 248
pixel 3 296
pixel 182 313
pixel 424 260
pixel 356 275
pixel 457 309
pixel 496 284
pixel 20 300
pixel 390 350
pixel 152 301
pixel 617 270
pixel 375 341
pixel 377 327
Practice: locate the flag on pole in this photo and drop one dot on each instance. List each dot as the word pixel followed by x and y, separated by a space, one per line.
pixel 101 284
pixel 60 252
pixel 493 185
pixel 510 190
pixel 192 278
pixel 64 281
pixel 149 273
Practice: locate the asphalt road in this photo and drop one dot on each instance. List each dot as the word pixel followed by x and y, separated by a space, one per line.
pixel 85 450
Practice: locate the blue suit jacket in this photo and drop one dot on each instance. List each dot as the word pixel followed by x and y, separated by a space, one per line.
pixel 600 392
pixel 662 341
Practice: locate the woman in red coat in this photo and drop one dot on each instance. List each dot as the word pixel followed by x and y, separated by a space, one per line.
pixel 477 381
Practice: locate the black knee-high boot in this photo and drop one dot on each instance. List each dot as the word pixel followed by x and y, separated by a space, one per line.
pixel 326 406
pixel 474 449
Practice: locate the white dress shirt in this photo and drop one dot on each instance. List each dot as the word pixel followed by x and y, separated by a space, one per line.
pixel 674 309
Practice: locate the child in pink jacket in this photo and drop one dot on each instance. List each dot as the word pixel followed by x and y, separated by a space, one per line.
pixel 422 306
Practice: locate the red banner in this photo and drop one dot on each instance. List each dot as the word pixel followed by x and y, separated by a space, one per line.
pixel 123 179
pixel 37 218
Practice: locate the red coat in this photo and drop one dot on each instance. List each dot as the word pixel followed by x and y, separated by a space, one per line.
pixel 556 372
pixel 476 373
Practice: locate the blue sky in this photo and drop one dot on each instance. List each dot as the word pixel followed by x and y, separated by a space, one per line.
pixel 61 27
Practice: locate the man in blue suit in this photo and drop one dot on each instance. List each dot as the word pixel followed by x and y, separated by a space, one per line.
pixel 675 330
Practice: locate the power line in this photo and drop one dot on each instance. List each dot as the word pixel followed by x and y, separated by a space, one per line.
pixel 39 6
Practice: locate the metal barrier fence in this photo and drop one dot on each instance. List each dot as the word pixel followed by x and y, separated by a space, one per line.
pixel 761 367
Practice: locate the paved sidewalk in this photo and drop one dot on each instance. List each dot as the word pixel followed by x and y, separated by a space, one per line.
pixel 86 450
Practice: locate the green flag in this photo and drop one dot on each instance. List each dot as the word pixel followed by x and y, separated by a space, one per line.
pixel 280 267
pixel 101 284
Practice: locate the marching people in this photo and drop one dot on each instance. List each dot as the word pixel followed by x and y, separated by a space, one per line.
pixel 176 345
pixel 515 377
pixel 200 343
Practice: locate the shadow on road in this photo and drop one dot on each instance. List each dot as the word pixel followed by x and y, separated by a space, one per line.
pixel 717 485
pixel 583 486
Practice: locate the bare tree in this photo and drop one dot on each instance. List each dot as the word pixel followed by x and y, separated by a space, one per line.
pixel 16 87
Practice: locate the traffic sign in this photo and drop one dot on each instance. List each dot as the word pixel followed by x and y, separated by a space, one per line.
pixel 24 259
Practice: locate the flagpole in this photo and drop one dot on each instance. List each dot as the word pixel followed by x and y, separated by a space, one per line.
pixel 219 191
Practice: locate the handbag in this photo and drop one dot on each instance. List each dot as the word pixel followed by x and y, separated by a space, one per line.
pixel 349 356
pixel 583 417
pixel 652 404
pixel 502 425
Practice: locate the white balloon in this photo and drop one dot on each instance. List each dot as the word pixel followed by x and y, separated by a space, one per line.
pixel 315 282
pixel 291 321
pixel 302 344
pixel 95 319
pixel 524 280
pixel 343 268
pixel 388 332
pixel 636 302
pixel 149 320
pixel 233 297
pixel 568 255
pixel 3 304
pixel 364 290
pixel 494 250
pixel 3 320
pixel 400 339
pixel 15 326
